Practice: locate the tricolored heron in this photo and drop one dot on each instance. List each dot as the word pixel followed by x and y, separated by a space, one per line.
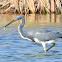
pixel 43 37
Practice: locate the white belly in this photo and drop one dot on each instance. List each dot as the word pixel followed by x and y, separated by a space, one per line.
pixel 46 42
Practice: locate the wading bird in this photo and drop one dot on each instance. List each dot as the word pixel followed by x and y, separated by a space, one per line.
pixel 41 37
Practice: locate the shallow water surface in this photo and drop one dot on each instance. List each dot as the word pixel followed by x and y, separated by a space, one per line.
pixel 13 48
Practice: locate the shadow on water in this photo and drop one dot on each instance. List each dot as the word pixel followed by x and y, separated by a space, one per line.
pixel 39 55
pixel 32 19
pixel 15 49
pixel 43 19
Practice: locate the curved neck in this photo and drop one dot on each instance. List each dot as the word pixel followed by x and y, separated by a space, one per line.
pixel 23 22
pixel 20 27
pixel 23 35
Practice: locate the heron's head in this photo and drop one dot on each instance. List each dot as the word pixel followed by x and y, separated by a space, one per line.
pixel 16 18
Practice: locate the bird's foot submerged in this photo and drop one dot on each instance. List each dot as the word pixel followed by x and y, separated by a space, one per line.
pixel 45 51
pixel 4 28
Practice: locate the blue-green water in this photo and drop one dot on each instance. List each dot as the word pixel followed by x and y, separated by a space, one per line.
pixel 13 48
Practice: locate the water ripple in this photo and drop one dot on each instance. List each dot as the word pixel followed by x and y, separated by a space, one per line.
pixel 15 49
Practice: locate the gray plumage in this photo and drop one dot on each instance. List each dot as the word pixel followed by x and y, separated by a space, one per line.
pixel 45 35
pixel 42 37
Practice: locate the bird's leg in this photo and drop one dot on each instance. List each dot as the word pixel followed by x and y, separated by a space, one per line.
pixel 43 44
pixel 51 47
pixel 44 50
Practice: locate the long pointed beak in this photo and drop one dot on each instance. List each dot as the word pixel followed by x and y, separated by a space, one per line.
pixel 10 23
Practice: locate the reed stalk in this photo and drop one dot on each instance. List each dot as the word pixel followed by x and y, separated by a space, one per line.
pixel 17 3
